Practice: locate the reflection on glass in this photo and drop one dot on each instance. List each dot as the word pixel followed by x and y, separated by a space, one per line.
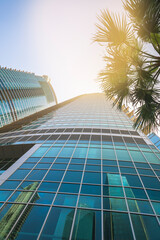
pixel 58 224
pixel 117 226
pixel 112 179
pixel 87 225
pixel 10 217
pixel 145 227
pixel 89 202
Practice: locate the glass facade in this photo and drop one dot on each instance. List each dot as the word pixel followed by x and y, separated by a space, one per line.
pixel 155 139
pixel 89 175
pixel 22 94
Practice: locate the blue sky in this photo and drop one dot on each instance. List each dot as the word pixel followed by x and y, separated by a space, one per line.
pixel 54 37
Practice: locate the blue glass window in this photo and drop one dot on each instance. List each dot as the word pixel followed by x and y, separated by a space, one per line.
pixel 110 169
pixel 44 198
pixel 4 195
pixel 123 155
pixel 112 179
pixel 93 168
pixel 150 182
pixel 54 175
pixel 113 191
pixel 145 227
pixel 91 189
pixel 27 165
pixel 85 227
pixel 131 180
pixel 58 225
pixel 119 227
pixel 62 160
pixel 110 163
pixel 31 227
pixel 36 175
pixel 59 166
pixel 76 167
pixel 127 170
pixel 66 200
pixel 80 153
pixel 32 160
pixel 137 156
pixel 139 206
pixel 153 195
pixel 9 184
pixel 49 186
pixel 40 152
pixel 77 160
pixel 156 206
pixel 69 188
pixel 94 153
pixel 125 163
pixel 114 204
pixel 92 177
pixel 19 174
pixel 66 152
pixel 43 165
pixel 89 202
pixel 53 152
pixel 108 154
pixel 146 172
pixel 47 160
pixel 72 176
pixel 135 193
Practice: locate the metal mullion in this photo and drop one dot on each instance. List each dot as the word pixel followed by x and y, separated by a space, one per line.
pixel 51 206
pixel 75 212
pixel 35 189
pixel 131 224
pixel 102 224
pixel 142 182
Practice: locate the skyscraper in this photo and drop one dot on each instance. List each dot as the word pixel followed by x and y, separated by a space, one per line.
pixel 80 172
pixel 22 94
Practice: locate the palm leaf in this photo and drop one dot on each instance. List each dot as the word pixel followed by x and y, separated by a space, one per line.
pixel 112 29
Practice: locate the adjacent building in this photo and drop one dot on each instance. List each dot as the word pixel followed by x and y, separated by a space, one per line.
pixel 22 94
pixel 79 172
pixel 155 139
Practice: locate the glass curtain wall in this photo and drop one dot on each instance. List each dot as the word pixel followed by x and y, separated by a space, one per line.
pixel 82 182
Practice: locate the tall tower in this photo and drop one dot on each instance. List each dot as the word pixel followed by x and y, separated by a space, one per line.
pixel 22 94
pixel 79 171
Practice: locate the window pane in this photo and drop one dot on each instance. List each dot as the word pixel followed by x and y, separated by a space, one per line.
pixel 54 175
pixel 69 188
pixel 140 206
pixel 91 189
pixel 92 177
pixel 89 202
pixel 66 200
pixel 145 227
pixel 48 186
pixel 112 179
pixel 114 204
pixel 135 193
pixel 29 224
pixel 85 227
pixel 72 176
pixel 117 225
pixel 58 224
pixel 113 191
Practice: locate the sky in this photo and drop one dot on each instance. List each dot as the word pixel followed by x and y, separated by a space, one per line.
pixel 55 38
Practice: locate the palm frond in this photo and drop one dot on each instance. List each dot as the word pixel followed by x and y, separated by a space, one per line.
pixel 145 16
pixel 147 116
pixel 113 29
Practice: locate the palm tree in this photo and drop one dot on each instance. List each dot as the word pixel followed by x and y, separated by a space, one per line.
pixel 131 74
